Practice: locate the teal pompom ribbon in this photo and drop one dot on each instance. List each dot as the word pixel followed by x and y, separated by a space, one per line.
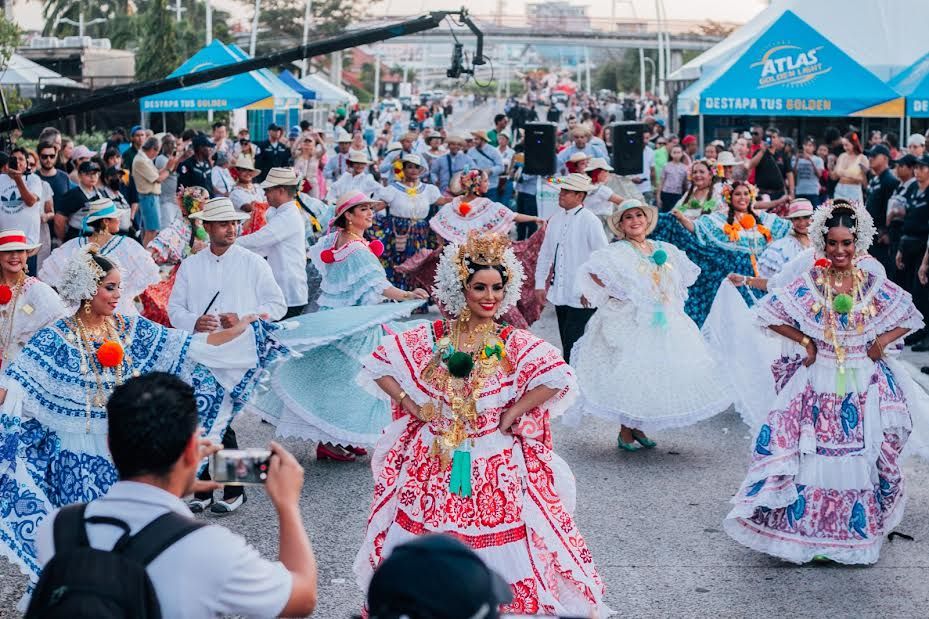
pixel 841 381
pixel 460 482
pixel 659 318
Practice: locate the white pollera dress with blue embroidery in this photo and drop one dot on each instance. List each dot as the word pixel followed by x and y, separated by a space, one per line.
pixel 136 265
pixel 53 453
pixel 825 476
pixel 315 396
pixel 641 361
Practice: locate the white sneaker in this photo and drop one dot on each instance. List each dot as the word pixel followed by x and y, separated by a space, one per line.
pixel 225 507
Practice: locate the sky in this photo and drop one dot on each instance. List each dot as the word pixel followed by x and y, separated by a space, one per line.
pixel 28 13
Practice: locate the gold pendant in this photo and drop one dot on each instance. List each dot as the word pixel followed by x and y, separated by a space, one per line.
pixel 28 309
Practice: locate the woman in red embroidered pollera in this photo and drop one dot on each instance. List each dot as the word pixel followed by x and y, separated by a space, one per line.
pixel 470 450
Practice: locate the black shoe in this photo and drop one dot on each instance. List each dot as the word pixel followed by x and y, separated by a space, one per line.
pixel 227 506
pixel 924 369
pixel 921 347
pixel 198 506
pixel 914 338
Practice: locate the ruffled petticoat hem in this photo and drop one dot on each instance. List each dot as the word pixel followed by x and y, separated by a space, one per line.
pixel 304 344
pixel 779 545
pixel 310 427
pixel 585 406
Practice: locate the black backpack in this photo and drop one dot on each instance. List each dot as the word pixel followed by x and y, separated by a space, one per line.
pixel 81 581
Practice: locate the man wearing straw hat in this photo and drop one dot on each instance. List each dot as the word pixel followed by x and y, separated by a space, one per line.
pixel 283 239
pixel 453 162
pixel 406 148
pixel 356 177
pixel 573 233
pixel 338 162
pixel 212 290
pixel 486 157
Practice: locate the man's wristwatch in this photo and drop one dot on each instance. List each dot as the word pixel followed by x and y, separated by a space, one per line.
pixel 401 396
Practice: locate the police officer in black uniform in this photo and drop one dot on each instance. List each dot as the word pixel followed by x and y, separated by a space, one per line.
pixel 197 170
pixel 913 246
pixel 275 153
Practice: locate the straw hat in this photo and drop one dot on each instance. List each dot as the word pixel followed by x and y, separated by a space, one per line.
pixel 244 162
pixel 598 163
pixel 800 207
pixel 350 199
pixel 343 136
pixel 481 135
pixel 280 177
pixel 410 135
pixel 394 146
pixel 454 138
pixel 15 240
pixel 651 215
pixel 578 157
pixel 101 208
pixel 576 182
pixel 357 156
pixel 727 159
pixel 219 209
pixel 412 158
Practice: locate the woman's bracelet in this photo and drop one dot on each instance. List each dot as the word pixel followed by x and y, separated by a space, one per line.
pixel 805 341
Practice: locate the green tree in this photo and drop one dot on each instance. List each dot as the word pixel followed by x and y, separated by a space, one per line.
pixel 55 10
pixel 157 55
pixel 11 37
pixel 281 21
pixel 620 71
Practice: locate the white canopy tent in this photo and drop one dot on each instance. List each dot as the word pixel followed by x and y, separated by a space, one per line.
pixel 30 77
pixel 326 91
pixel 881 35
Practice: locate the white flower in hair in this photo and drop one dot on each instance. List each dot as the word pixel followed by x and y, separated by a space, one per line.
pixel 81 277
pixel 489 249
pixel 863 229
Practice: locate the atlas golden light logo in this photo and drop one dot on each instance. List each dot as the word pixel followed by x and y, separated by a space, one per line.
pixel 789 64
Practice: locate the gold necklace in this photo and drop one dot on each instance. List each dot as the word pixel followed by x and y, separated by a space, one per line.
pixel 96 237
pixel 10 316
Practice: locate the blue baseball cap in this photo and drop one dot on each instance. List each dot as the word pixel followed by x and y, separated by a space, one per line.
pixel 135 129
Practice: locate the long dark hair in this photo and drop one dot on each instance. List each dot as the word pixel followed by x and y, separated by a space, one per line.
pixel 751 201
pixel 843 216
pixel 474 267
pixel 690 190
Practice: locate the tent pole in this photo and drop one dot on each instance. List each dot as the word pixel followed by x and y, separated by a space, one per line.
pixel 904 131
pixel 700 132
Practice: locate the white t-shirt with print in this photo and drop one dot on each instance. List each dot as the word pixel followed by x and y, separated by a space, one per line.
pixel 13 211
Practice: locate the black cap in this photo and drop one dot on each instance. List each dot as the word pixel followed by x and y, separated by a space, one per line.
pixel 201 140
pixel 87 167
pixel 878 149
pixel 924 160
pixel 907 160
pixel 275 127
pixel 438 576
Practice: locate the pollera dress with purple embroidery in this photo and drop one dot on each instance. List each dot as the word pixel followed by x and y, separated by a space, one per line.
pixel 825 476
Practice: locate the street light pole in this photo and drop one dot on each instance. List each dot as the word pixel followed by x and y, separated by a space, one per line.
pixel 254 37
pixel 307 17
pixel 209 23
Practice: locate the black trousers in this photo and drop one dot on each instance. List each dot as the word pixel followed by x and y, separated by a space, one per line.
pixel 527 205
pixel 571 324
pixel 229 492
pixel 913 250
pixel 293 312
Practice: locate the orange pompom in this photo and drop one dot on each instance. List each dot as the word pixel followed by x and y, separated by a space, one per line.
pixel 110 354
pixel 747 221
pixel 464 208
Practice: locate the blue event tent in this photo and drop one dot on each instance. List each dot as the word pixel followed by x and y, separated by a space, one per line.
pixel 254 90
pixel 790 69
pixel 913 83
pixel 291 80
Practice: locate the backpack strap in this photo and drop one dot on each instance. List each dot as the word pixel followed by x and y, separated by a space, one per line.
pixel 68 530
pixel 158 535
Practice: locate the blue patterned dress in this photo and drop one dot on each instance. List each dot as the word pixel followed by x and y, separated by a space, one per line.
pixel 315 397
pixel 53 446
pixel 710 248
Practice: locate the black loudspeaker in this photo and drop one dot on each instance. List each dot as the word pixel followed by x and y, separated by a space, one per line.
pixel 539 149
pixel 628 145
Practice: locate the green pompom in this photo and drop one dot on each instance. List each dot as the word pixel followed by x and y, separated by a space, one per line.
pixel 659 257
pixel 460 364
pixel 843 304
pixel 201 234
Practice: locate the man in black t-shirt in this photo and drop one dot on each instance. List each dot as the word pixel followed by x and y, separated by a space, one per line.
pixel 71 208
pixel 196 171
pixel 913 244
pixel 880 188
pixel 771 166
pixel 274 152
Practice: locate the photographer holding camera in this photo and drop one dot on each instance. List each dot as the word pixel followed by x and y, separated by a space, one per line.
pixel 195 570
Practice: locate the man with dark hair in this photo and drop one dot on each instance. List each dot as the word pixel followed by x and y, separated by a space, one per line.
pixel 770 167
pixel 156 447
pixel 137 135
pixel 500 122
pixel 20 198
pixel 57 179
pixel 196 170
pixel 880 188
pixel 274 152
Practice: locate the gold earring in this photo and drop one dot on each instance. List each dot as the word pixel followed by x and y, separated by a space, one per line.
pixel 87 308
pixel 465 314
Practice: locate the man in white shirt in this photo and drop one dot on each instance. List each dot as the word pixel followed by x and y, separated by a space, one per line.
pixel 209 571
pixel 573 233
pixel 337 164
pixel 582 144
pixel 644 181
pixel 20 200
pixel 356 178
pixel 213 289
pixel 283 239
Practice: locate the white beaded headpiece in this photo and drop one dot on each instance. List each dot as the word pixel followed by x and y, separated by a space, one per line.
pixel 490 249
pixel 863 230
pixel 81 277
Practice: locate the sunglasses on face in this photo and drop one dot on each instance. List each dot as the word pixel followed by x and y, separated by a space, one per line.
pixel 51 156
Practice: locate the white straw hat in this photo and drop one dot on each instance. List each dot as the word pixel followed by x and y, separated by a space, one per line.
pixel 575 182
pixel 357 156
pixel 598 163
pixel 15 240
pixel 613 221
pixel 219 209
pixel 280 177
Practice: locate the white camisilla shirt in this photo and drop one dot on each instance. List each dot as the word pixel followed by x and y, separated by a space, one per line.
pixel 570 238
pixel 242 278
pixel 283 242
